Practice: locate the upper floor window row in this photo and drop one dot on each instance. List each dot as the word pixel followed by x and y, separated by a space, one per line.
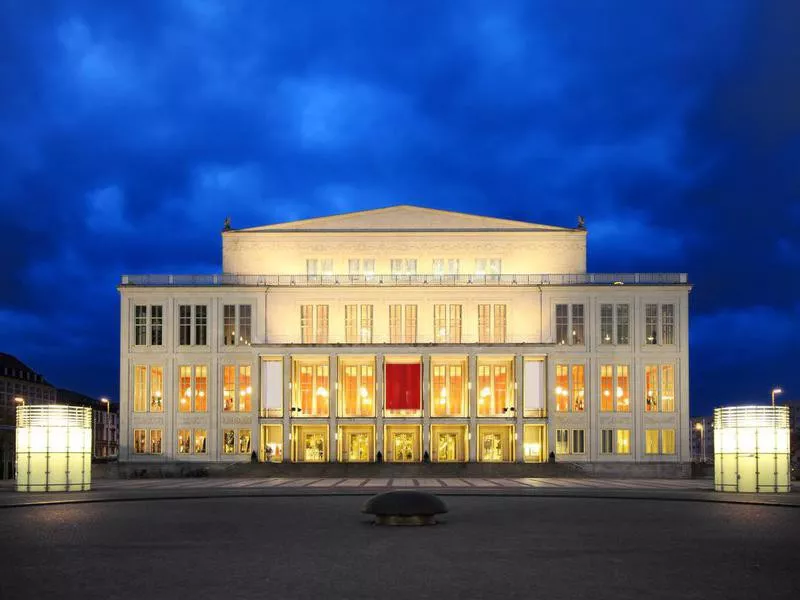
pixel 148 319
pixel 570 324
pixel 237 324
pixel 193 325
pixel 615 324
pixel 659 324
pixel 403 266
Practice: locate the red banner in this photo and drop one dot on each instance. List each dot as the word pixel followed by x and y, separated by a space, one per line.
pixel 403 386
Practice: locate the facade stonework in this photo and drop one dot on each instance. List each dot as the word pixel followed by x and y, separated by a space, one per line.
pixel 409 332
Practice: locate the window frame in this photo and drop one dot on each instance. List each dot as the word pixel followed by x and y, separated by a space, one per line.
pixel 614 332
pixel 242 403
pixel 148 324
pixel 572 336
pixel 657 325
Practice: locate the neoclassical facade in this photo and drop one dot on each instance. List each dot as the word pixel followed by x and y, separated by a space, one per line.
pixel 405 334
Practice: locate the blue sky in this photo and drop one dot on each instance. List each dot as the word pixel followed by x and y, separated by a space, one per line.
pixel 128 131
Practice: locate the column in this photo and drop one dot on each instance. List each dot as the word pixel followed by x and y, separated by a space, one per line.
pixel 519 409
pixel 288 443
pixel 472 362
pixel 379 403
pixel 333 405
pixel 426 405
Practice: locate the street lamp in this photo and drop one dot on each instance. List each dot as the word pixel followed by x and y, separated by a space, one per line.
pixel 775 392
pixel 107 403
pixel 701 428
pixel 20 400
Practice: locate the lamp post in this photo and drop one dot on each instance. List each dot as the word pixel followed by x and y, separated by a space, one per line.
pixel 775 392
pixel 701 428
pixel 107 403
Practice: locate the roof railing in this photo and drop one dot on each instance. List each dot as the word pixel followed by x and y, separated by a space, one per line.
pixel 234 279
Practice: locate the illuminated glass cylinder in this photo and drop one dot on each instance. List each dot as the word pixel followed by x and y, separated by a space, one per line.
pixel 54 448
pixel 751 449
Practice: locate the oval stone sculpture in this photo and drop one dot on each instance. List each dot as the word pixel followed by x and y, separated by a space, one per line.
pixel 405 507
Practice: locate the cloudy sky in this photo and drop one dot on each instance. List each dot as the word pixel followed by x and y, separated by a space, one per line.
pixel 128 134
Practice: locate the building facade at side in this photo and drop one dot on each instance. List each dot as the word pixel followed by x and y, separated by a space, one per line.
pixel 405 334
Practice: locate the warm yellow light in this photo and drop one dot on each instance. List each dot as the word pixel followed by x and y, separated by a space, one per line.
pixel 606 393
pixel 249 390
pixel 201 393
pixel 363 391
pixel 188 391
pixel 619 392
pixel 321 391
pixel 485 392
pixel 777 391
pixel 158 394
pixel 558 390
pixel 443 393
pixel 699 426
pixel 19 400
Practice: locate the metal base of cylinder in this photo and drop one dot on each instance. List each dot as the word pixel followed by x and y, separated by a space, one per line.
pixel 413 520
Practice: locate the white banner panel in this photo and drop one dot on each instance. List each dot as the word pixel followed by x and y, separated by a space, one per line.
pixel 272 385
pixel 533 396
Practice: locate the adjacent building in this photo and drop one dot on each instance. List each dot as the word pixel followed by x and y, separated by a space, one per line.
pixel 105 422
pixel 17 380
pixel 405 334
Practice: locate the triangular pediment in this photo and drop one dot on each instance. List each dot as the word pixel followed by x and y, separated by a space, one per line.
pixel 404 217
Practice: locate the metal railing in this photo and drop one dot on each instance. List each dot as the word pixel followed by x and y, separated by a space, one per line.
pixel 234 279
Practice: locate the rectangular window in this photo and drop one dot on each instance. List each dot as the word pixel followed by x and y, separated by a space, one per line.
pixel 192 388
pixel 438 266
pixel 366 324
pixel 651 323
pixel 562 441
pixel 140 324
pixel 358 323
pixel 606 388
pixel 447 323
pixel 351 323
pixel 562 388
pixel 244 441
pixel 356 388
pixel 139 441
pixel 311 389
pixel 369 268
pixel 492 323
pixel 156 389
pixel 245 388
pixel 577 324
pixel 606 323
pixel 245 324
pixel 228 388
pixel 578 439
pixel 156 325
pixel 200 441
pixel 314 323
pixel 155 441
pixel 623 441
pixel 562 323
pixel 442 266
pixel 403 266
pixel 623 324
pixel 184 441
pixel 229 324
pixel 448 388
pixel 606 441
pixel 327 266
pixel 200 325
pixel 229 441
pixel 185 389
pixel 651 388
pixel 491 267
pixel 185 324
pixel 200 388
pixel 484 323
pixel 403 324
pixel 651 441
pixel 495 388
pixel 578 388
pixel 140 388
pixel 353 266
pixel 667 441
pixel 312 267
pixel 410 325
pixel 623 389
pixel 667 323
pixel 667 388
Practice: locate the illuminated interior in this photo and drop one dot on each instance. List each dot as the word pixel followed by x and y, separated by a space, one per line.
pixel 495 387
pixel 496 443
pixel 449 443
pixel 534 443
pixel 310 443
pixel 752 449
pixel 311 387
pixel 449 387
pixel 356 443
pixel 403 385
pixel 272 443
pixel 356 387
pixel 237 390
pixel 53 448
pixel 402 443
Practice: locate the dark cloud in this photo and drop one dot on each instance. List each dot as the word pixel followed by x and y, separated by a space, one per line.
pixel 127 135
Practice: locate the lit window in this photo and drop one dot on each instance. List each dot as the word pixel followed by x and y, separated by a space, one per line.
pixel 272 440
pixel 606 388
pixel 495 443
pixel 356 443
pixel 200 441
pixel 237 390
pixel 534 443
pixel 184 441
pixel 578 388
pixel 140 387
pixel 614 388
pixel 356 388
pixel 667 388
pixel 448 443
pixel 244 441
pixel 495 388
pixel 192 388
pixel 448 388
pixel 623 441
pixel 310 387
pixel 665 391
pixel 651 388
pixel 667 441
pixel 185 389
pixel 562 388
pixel 139 441
pixel 229 441
pixel 651 441
pixel 155 441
